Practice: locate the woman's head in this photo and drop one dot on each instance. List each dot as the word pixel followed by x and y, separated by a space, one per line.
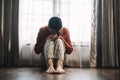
pixel 55 23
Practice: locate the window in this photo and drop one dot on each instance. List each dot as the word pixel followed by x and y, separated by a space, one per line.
pixel 33 14
pixel 75 14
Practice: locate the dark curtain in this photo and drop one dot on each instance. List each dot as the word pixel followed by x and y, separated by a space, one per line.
pixel 9 47
pixel 106 26
pixel 116 10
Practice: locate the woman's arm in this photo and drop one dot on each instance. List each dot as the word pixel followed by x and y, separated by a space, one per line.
pixel 39 42
pixel 67 42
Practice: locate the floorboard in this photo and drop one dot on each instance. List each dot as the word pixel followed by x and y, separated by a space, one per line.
pixel 71 74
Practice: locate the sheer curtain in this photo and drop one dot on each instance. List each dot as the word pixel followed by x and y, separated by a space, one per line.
pixel 33 14
pixel 76 16
pixel 106 34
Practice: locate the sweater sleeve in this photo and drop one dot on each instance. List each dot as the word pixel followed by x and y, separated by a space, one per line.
pixel 39 42
pixel 67 41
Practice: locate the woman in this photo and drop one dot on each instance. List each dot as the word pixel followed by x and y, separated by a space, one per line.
pixel 53 41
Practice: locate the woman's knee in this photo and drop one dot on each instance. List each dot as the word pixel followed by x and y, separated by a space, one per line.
pixel 59 41
pixel 49 43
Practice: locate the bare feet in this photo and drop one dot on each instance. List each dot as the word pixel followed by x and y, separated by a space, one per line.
pixel 50 70
pixel 59 70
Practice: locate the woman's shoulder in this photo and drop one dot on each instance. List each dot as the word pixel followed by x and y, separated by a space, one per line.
pixel 44 28
pixel 65 29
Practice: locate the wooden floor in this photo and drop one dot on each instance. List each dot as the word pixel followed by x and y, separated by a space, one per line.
pixel 71 74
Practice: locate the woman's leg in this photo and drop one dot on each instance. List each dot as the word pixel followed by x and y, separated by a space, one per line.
pixel 54 50
pixel 59 52
pixel 48 52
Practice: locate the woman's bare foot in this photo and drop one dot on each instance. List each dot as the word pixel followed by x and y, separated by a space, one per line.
pixel 50 70
pixel 60 70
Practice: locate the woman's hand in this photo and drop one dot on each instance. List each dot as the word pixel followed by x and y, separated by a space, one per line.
pixel 53 37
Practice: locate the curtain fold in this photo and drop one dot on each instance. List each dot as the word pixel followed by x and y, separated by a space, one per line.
pixel 108 33
pixel 1 31
pixel 93 35
pixel 116 6
pixel 9 52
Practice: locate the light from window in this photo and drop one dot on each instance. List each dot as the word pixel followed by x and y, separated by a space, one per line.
pixel 75 14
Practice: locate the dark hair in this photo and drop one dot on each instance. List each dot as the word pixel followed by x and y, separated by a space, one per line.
pixel 55 23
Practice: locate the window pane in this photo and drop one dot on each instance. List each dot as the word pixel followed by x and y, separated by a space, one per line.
pixel 76 14
pixel 33 14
